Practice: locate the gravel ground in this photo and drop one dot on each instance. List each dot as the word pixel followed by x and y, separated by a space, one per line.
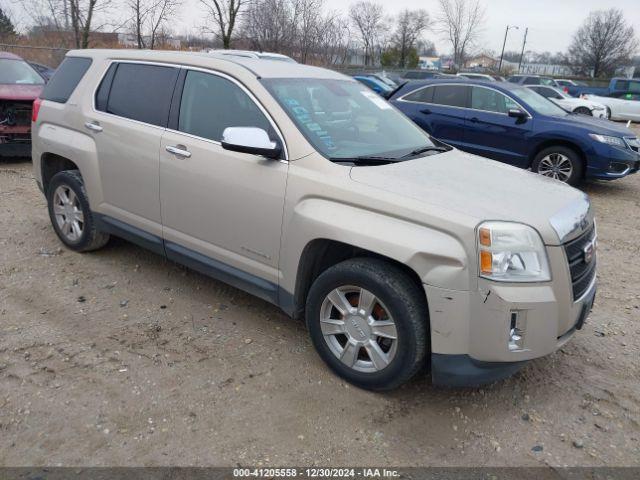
pixel 120 357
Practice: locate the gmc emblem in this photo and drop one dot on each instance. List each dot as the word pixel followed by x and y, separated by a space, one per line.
pixel 589 251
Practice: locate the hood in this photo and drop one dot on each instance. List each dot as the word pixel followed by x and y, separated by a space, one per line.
pixel 20 92
pixel 477 187
pixel 593 125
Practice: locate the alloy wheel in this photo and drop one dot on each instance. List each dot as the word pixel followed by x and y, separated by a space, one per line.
pixel 68 213
pixel 358 329
pixel 556 165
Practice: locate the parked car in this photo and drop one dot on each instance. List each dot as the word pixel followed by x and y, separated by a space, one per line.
pixel 251 54
pixel 303 187
pixel 617 88
pixel 515 125
pixel 45 72
pixel 532 80
pixel 499 78
pixel 477 76
pixel 381 77
pixel 374 84
pixel 626 107
pixel 571 104
pixel 564 82
pixel 421 74
pixel 20 85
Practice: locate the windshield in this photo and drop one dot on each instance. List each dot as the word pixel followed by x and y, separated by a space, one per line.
pixel 547 81
pixel 18 72
pixel 538 103
pixel 345 119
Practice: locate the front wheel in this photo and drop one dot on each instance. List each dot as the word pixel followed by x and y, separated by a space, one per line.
pixel 368 320
pixel 560 163
pixel 583 111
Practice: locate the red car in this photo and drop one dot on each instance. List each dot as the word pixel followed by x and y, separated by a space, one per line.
pixel 20 85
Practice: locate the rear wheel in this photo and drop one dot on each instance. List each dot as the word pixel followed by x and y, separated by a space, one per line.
pixel 70 214
pixel 560 163
pixel 368 321
pixel 583 111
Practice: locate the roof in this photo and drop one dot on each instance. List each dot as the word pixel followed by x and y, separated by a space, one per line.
pixel 260 67
pixel 10 56
pixel 416 84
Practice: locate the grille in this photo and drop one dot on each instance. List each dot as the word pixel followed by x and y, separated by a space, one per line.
pixel 582 273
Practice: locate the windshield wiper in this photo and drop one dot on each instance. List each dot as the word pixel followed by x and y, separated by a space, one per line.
pixel 430 148
pixel 366 160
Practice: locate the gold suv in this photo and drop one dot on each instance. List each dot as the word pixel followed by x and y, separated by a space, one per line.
pixel 303 187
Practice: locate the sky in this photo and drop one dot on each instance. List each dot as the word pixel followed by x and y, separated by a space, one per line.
pixel 551 22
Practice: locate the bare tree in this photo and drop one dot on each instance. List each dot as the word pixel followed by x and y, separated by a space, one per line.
pixel 225 14
pixel 603 43
pixel 269 26
pixel 78 16
pixel 460 21
pixel 409 26
pixel 149 19
pixel 368 18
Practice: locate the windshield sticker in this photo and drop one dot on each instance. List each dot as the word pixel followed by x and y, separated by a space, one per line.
pixel 302 114
pixel 375 98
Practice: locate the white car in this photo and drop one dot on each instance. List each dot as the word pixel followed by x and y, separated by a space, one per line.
pixel 571 104
pixel 626 107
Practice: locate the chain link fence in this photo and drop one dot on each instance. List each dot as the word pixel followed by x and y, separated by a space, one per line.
pixel 49 56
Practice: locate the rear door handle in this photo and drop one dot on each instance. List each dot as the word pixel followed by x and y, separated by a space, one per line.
pixel 93 126
pixel 426 111
pixel 474 120
pixel 178 150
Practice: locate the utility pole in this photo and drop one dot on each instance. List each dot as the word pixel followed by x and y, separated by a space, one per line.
pixel 504 44
pixel 524 42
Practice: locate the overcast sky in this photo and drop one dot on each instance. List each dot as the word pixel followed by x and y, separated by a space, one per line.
pixel 551 22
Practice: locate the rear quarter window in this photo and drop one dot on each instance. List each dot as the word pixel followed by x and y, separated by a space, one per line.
pixel 139 92
pixel 66 79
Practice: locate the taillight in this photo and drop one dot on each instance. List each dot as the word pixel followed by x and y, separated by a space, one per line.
pixel 566 89
pixel 35 109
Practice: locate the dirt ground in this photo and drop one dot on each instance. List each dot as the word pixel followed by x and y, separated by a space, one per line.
pixel 120 357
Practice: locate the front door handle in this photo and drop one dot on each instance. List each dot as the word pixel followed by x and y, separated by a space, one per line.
pixel 426 111
pixel 474 120
pixel 93 126
pixel 178 150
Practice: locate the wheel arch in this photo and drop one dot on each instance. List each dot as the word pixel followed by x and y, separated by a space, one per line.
pixel 50 164
pixel 321 254
pixel 552 142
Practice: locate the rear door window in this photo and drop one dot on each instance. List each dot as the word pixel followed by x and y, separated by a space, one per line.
pixel 140 92
pixel 451 95
pixel 211 103
pixel 424 95
pixel 66 78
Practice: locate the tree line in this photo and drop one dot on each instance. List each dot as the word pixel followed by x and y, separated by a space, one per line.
pixel 310 33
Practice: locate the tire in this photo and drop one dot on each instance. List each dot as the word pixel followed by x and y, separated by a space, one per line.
pixel 81 234
pixel 397 299
pixel 560 157
pixel 583 111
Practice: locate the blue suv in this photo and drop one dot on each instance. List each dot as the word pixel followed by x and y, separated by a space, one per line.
pixel 515 125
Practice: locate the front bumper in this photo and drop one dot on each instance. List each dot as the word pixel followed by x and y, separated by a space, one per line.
pixel 471 331
pixel 462 370
pixel 18 149
pixel 610 163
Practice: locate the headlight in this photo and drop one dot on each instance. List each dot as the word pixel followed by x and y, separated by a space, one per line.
pixel 615 141
pixel 511 252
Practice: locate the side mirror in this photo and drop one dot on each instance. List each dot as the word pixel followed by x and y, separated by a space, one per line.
pixel 252 140
pixel 517 113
